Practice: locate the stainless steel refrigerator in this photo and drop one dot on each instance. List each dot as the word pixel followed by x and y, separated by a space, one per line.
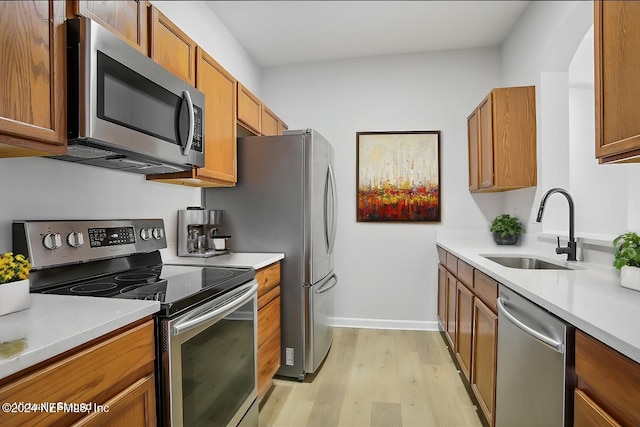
pixel 285 201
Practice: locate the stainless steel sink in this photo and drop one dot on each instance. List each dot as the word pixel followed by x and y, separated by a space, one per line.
pixel 526 263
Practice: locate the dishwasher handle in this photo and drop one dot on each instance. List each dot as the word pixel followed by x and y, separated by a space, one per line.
pixel 550 342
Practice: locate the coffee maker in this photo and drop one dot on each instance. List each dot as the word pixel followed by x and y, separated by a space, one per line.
pixel 198 233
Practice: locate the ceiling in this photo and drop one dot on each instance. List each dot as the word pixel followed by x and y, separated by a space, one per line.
pixel 285 32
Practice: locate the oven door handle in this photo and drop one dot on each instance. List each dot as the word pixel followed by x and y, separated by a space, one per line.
pixel 233 301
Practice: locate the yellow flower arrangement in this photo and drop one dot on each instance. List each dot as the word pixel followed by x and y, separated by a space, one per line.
pixel 14 268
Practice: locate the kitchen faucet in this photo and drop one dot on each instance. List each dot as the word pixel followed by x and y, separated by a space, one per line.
pixel 570 249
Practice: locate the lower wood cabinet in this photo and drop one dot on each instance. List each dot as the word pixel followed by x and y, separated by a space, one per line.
pixel 268 325
pixel 608 389
pixel 115 372
pixel 484 350
pixel 468 317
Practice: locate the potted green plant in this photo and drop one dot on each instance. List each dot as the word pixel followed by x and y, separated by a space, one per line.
pixel 626 258
pixel 506 229
pixel 14 283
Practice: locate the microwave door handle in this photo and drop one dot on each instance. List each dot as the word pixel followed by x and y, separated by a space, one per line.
pixel 186 148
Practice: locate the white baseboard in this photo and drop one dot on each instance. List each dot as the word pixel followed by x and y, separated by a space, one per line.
pixel 412 325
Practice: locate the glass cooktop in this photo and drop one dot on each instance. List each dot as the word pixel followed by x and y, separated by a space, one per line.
pixel 176 287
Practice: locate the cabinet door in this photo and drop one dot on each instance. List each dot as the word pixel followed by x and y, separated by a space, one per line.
pixel 269 122
pixel 249 110
pixel 617 81
pixel 451 310
pixel 126 18
pixel 474 160
pixel 170 47
pixel 483 371
pixel 219 88
pixel 442 297
pixel 32 78
pixel 135 406
pixel 464 322
pixel 485 121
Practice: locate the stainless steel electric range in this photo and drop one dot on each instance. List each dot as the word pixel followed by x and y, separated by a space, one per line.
pixel 206 330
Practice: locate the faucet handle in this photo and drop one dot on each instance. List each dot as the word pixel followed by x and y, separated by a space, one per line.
pixel 558 241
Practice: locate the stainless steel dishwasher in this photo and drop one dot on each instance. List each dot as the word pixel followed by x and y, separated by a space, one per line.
pixel 535 365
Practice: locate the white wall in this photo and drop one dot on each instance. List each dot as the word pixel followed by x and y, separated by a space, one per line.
pixel 388 271
pixel 40 188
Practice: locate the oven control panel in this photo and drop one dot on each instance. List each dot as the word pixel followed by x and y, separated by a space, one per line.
pixel 52 243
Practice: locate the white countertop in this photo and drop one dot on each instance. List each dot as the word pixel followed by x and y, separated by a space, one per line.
pixel 590 298
pixel 54 324
pixel 256 260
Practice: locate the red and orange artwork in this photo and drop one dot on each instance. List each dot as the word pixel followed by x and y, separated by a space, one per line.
pixel 398 176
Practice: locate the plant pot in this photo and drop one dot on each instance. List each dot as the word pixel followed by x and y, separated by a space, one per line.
pixel 506 240
pixel 14 296
pixel 630 277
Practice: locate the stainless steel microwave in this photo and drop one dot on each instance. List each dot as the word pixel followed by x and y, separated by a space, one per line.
pixel 124 110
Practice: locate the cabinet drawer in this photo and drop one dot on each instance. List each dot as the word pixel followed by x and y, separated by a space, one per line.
pixel 465 273
pixel 452 263
pixel 609 378
pixel 442 256
pixel 587 413
pixel 268 320
pixel 486 289
pixel 267 278
pixel 94 374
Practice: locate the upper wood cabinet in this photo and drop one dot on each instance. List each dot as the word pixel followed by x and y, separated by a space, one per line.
pixel 170 47
pixel 502 141
pixel 126 18
pixel 219 88
pixel 32 78
pixel 271 123
pixel 249 110
pixel 617 80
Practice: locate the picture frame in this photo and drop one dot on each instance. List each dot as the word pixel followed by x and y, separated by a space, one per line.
pixel 398 176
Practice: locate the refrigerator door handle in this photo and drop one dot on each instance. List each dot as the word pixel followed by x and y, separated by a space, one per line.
pixel 330 229
pixel 333 280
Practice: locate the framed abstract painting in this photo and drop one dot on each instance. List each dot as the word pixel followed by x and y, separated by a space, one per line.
pixel 398 176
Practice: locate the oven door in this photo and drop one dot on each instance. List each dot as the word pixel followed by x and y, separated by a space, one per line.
pixel 209 362
pixel 122 99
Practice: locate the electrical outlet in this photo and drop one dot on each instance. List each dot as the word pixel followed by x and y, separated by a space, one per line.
pixel 289 356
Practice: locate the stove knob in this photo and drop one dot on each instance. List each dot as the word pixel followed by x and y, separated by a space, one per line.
pixel 75 239
pixel 145 233
pixel 52 241
pixel 158 233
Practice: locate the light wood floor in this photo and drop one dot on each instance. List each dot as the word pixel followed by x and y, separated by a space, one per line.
pixel 375 378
